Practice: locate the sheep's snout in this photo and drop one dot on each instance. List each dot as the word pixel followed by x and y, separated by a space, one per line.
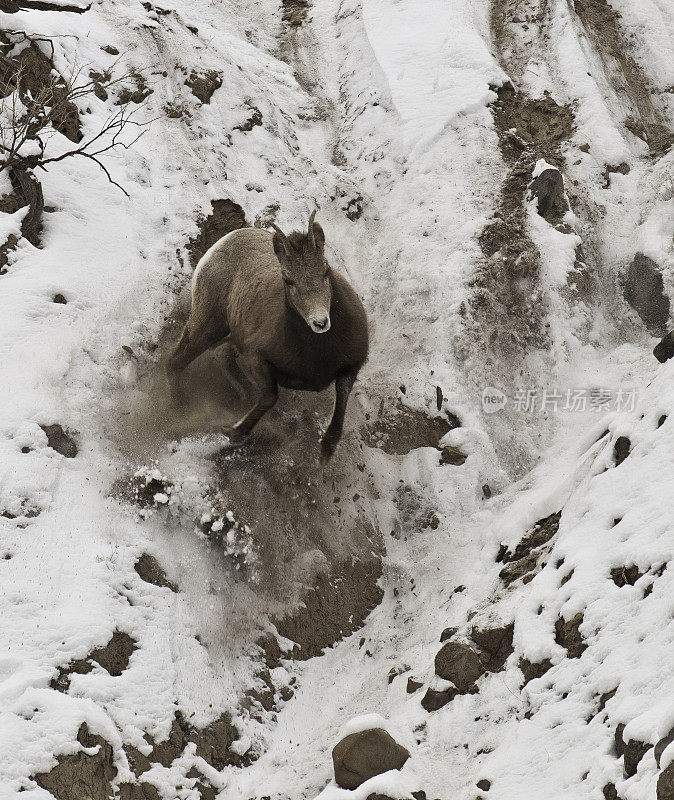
pixel 320 324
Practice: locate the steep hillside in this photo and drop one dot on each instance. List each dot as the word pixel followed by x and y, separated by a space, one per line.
pixel 482 569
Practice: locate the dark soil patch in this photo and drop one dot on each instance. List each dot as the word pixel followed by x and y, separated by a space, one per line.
pixel 253 121
pixel 507 305
pixel 336 607
pixel 149 570
pixel 81 775
pixel 295 12
pixel 212 744
pixel 113 657
pixel 225 217
pixel 399 429
pixel 568 635
pixel 626 576
pixel 203 84
pixel 602 23
pixel 37 76
pixel 134 94
pixel 525 559
pixel 142 488
pixel 644 291
pixel 59 440
pixel 531 670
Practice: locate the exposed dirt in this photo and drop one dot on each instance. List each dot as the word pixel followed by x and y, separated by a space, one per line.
pixel 113 657
pixel 81 775
pixel 569 636
pixel 295 12
pixel 225 217
pixel 399 429
pixel 336 607
pixel 602 23
pixel 37 74
pixel 508 309
pixel 204 84
pixel 149 569
pixel 60 440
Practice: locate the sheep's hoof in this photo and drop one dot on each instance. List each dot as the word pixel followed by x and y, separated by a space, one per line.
pixel 235 438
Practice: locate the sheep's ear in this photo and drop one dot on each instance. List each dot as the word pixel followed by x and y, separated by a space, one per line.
pixel 279 247
pixel 319 236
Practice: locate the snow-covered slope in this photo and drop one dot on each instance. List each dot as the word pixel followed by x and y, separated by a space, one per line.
pixel 416 127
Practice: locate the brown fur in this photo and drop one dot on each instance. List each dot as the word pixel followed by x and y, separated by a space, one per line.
pixel 264 292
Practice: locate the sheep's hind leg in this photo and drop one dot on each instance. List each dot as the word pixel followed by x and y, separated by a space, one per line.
pixel 190 346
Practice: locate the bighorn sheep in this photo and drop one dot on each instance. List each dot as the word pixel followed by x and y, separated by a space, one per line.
pixel 292 320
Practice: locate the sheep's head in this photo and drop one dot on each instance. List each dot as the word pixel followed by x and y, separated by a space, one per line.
pixel 306 274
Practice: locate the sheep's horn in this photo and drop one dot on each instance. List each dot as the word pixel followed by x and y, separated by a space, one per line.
pixel 312 241
pixel 284 239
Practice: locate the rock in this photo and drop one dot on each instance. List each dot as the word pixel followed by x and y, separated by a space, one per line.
pixel 665 786
pixel 644 291
pixel 609 792
pixel 621 449
pixel 496 645
pixel 484 785
pixel 548 189
pixel 149 570
pixel 360 756
pixel 434 700
pixel 664 349
pixel 448 633
pixel 625 576
pixel 82 775
pixel 634 752
pixel 568 635
pixel 534 669
pixel 452 455
pixel 413 686
pixel 59 298
pixel 460 664
pixel 662 745
pixel 60 441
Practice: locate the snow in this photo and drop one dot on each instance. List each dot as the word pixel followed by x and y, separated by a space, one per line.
pixel 389 102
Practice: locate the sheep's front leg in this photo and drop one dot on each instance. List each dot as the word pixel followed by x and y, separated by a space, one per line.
pixel 260 375
pixel 343 386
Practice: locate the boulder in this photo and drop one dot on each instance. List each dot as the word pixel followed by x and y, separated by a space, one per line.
pixel 360 756
pixel 644 291
pixel 460 664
